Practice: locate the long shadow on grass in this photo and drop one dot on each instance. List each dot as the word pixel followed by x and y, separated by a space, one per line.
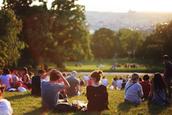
pixel 37 111
pixel 125 107
pixel 156 109
pixel 15 97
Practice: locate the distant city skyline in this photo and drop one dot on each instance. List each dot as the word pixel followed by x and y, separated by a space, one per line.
pixel 123 5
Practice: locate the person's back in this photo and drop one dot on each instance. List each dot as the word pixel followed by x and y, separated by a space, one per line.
pixel 133 90
pixel 5 80
pixel 119 84
pixel 97 98
pixel 104 81
pixel 49 93
pixel 96 94
pixel 168 70
pixel 5 107
pixel 74 86
pixel 50 90
pixel 145 86
pixel 158 90
pixel 36 86
pixel 114 85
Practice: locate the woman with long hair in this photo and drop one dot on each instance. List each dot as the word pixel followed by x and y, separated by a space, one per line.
pixel 158 90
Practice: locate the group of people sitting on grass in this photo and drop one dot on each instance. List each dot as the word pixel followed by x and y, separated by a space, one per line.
pixel 16 80
pixel 55 87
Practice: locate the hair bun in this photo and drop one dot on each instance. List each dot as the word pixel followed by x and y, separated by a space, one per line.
pixel 99 72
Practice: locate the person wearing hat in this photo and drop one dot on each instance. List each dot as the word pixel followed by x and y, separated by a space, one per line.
pixel 133 90
pixel 5 106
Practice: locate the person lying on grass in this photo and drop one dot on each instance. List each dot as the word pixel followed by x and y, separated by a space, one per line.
pixel 5 106
pixel 133 90
pixel 96 93
pixel 50 90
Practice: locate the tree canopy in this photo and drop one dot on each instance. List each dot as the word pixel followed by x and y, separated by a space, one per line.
pixel 10 45
pixel 103 43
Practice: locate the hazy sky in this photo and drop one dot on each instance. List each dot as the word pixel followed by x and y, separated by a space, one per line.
pixel 125 5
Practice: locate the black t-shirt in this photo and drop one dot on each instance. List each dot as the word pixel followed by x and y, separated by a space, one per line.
pixel 97 98
pixel 36 86
pixel 168 70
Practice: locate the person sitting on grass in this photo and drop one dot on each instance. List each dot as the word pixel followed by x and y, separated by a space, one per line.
pixel 119 83
pixel 158 90
pixel 113 85
pixel 36 83
pixel 104 81
pixel 74 84
pixel 50 90
pixel 5 106
pixel 6 79
pixel 133 90
pixel 145 86
pixel 96 93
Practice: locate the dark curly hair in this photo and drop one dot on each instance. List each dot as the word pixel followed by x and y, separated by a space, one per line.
pixel 97 75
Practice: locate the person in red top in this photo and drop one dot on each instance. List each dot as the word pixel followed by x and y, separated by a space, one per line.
pixel 145 86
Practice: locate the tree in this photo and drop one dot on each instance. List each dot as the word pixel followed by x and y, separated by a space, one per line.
pixel 10 45
pixel 104 43
pixel 54 35
pixel 130 40
pixel 69 31
pixel 159 42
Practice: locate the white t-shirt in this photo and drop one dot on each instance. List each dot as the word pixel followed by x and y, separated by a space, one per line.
pixel 119 84
pixel 5 107
pixel 86 78
pixel 21 89
pixel 104 82
pixel 5 79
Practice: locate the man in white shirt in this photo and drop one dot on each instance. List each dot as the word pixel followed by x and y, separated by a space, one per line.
pixel 6 78
pixel 119 84
pixel 5 106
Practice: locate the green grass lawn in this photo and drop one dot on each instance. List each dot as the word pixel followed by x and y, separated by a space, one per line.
pixel 144 65
pixel 24 103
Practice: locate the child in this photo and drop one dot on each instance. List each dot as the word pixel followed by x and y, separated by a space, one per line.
pixel 5 106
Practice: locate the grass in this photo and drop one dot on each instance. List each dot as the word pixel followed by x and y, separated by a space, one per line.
pixel 24 103
pixel 106 65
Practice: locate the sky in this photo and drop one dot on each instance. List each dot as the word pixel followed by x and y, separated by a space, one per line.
pixel 125 5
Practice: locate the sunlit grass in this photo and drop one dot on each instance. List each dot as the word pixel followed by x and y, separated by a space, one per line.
pixel 24 103
pixel 106 65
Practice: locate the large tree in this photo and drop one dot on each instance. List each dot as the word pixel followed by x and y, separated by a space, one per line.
pixel 10 45
pixel 54 35
pixel 159 42
pixel 104 43
pixel 69 30
pixel 130 40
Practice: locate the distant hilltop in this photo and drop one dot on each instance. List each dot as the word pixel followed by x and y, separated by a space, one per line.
pixel 131 19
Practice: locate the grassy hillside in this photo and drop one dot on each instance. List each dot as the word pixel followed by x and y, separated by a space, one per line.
pixel 24 103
